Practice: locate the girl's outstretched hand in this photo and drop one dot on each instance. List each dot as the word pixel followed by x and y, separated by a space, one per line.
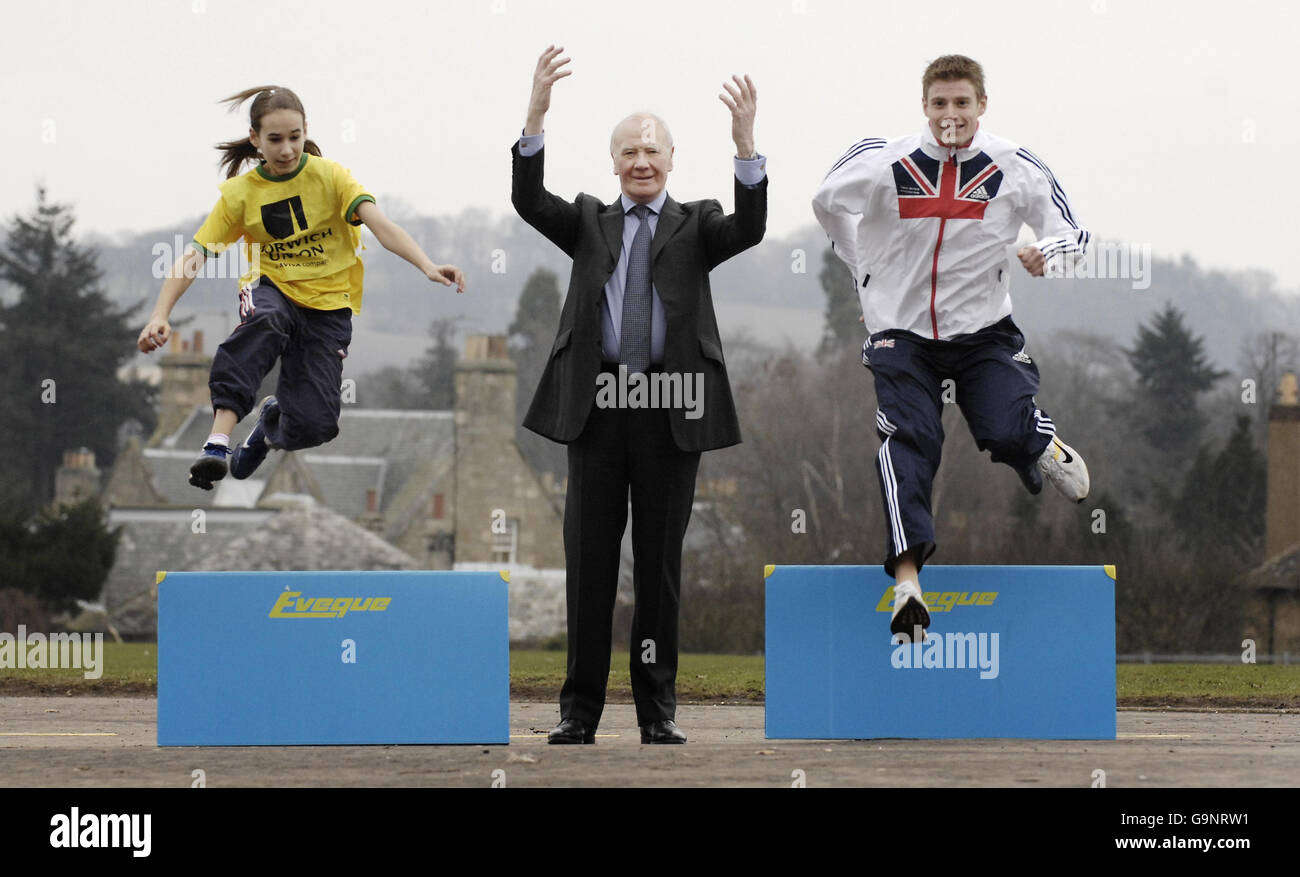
pixel 447 275
pixel 154 335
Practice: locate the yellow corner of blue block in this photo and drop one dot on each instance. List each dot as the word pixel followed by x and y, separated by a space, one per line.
pixel 1110 569
pixel 505 575
pixel 767 570
pixel 159 576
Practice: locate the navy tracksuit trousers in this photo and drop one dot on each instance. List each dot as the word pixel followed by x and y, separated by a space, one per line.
pixel 311 346
pixel 994 383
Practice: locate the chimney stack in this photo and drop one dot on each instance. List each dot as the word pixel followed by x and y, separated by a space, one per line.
pixel 77 479
pixel 485 387
pixel 1282 516
pixel 184 386
pixel 371 519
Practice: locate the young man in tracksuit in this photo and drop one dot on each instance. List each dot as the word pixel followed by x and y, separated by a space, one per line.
pixel 923 222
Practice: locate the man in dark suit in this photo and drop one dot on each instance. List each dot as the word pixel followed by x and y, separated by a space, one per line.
pixel 638 311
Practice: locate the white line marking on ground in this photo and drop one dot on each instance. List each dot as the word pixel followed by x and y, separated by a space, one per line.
pixel 60 734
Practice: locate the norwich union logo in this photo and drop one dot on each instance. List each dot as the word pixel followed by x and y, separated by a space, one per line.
pixel 278 217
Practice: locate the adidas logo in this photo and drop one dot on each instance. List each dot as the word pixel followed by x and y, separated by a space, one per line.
pixel 1022 357
pixel 979 194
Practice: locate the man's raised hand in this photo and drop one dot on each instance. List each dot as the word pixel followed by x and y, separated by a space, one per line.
pixel 742 99
pixel 548 70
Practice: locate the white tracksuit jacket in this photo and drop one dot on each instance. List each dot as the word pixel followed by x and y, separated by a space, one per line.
pixel 924 228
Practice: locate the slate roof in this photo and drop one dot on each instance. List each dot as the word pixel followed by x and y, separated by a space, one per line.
pixel 307 536
pixel 399 454
pixel 344 481
pixel 171 478
pixel 1281 572
pixel 407 440
pixel 163 539
pixel 301 535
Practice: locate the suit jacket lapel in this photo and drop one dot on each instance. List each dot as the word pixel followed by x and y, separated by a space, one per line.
pixel 670 219
pixel 611 224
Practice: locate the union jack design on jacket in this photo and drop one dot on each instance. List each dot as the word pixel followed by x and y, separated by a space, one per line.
pixel 924 228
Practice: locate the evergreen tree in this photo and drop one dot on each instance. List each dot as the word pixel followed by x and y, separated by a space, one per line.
pixel 1221 512
pixel 1172 372
pixel 61 344
pixel 436 371
pixel 532 334
pixel 1027 534
pixel 63 555
pixel 843 329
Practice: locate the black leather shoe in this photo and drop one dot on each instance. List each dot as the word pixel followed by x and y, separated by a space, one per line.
pixel 662 732
pixel 571 731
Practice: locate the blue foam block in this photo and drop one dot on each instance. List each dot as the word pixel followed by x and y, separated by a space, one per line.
pixel 279 658
pixel 1041 639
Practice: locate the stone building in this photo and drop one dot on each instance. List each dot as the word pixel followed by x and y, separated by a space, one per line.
pixel 498 497
pixel 1273 615
pixel 402 489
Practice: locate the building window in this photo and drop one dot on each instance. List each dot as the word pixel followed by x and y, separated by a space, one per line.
pixel 438 509
pixel 505 546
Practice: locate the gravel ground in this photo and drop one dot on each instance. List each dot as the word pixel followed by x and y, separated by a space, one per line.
pixel 104 742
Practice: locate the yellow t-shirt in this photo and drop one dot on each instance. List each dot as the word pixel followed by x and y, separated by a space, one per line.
pixel 300 230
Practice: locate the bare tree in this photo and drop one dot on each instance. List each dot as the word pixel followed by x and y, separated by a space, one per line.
pixel 1264 358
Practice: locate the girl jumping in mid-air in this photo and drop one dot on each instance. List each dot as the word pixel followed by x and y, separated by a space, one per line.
pixel 297 214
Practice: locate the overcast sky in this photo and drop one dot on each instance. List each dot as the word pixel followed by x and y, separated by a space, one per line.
pixel 1164 121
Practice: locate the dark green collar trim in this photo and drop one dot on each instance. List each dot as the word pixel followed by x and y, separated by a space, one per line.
pixel 261 170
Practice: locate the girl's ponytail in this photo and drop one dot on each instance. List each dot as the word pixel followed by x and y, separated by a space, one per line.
pixel 234 153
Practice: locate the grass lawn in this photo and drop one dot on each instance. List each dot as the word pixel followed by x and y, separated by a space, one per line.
pixel 132 668
pixel 1264 685
pixel 125 668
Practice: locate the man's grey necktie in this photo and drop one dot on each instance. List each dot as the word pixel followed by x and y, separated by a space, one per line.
pixel 634 337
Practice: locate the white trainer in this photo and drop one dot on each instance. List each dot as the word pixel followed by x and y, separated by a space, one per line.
pixel 1062 465
pixel 910 613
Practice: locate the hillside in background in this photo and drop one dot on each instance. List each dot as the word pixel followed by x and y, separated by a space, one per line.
pixel 761 293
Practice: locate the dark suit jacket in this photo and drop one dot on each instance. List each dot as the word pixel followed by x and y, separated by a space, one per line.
pixel 690 240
